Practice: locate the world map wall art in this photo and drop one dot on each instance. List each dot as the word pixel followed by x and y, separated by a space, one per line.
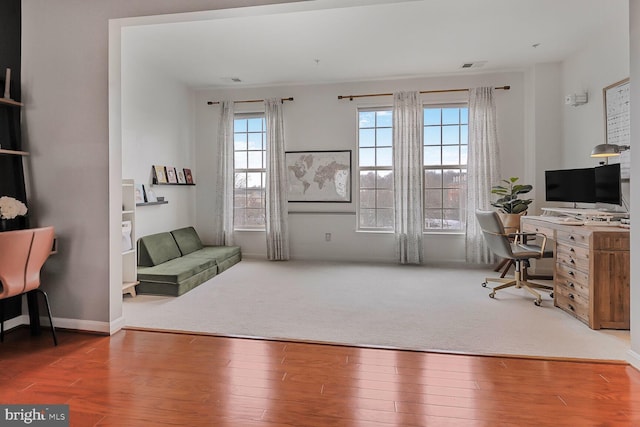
pixel 319 176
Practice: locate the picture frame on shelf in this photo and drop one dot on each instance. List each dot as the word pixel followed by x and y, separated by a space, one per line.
pixel 138 190
pixel 188 176
pixel 171 175
pixel 159 175
pixel 151 195
pixel 180 176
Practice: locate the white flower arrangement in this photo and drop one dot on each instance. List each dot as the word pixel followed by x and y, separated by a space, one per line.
pixel 11 208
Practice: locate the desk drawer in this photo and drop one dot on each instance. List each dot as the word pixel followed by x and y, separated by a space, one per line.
pixel 573 237
pixel 528 227
pixel 579 286
pixel 575 306
pixel 573 256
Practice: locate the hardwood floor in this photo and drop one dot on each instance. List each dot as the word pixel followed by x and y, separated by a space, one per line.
pixel 137 378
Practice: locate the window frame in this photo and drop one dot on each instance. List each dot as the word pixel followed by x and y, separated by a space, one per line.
pixel 247 170
pixel 463 168
pixel 360 168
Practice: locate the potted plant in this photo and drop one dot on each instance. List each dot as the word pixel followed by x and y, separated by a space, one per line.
pixel 510 205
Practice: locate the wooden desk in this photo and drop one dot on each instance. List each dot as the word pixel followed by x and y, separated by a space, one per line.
pixel 591 271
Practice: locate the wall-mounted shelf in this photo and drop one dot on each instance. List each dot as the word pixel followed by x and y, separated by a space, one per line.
pixel 163 202
pixel 10 102
pixel 14 152
pixel 173 183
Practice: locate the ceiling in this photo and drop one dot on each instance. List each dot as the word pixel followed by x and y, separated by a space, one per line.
pixel 328 41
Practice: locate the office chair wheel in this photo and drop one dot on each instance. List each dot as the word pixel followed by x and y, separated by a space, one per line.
pixel 484 284
pixel 537 302
pixel 551 295
pixel 492 295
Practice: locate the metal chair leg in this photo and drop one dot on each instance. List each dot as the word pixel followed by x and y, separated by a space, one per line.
pixel 46 300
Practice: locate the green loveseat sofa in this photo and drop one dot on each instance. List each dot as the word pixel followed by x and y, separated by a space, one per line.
pixel 172 263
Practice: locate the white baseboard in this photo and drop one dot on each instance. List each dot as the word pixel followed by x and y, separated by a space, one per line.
pixel 634 359
pixel 72 324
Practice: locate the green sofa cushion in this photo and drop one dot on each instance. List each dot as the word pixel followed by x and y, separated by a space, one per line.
pixel 156 249
pixel 175 289
pixel 187 240
pixel 176 270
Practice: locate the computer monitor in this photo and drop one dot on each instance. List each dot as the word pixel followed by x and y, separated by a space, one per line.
pixel 608 185
pixel 570 185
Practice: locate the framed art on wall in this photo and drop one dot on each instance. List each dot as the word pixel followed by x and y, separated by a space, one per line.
pixel 188 176
pixel 319 176
pixel 151 195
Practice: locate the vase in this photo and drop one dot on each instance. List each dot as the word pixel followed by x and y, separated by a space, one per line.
pixel 511 222
pixel 9 224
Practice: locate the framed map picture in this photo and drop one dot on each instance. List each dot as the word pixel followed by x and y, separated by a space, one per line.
pixel 319 176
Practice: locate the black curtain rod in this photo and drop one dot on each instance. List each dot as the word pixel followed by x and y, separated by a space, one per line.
pixel 352 97
pixel 249 100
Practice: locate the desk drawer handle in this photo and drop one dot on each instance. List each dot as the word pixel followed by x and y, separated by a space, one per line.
pixel 572 261
pixel 572 250
pixel 571 297
pixel 571 238
pixel 571 308
pixel 571 273
pixel 571 285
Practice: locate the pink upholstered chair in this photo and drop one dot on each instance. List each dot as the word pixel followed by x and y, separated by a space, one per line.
pixel 22 255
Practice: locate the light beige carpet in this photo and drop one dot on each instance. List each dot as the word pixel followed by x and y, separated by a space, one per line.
pixel 407 307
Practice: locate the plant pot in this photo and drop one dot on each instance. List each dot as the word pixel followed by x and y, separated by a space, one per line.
pixel 511 222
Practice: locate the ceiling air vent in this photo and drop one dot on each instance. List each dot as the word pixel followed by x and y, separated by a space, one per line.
pixel 476 64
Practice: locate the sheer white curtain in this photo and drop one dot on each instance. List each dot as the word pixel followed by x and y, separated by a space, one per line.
pixel 276 197
pixel 483 168
pixel 407 176
pixel 223 194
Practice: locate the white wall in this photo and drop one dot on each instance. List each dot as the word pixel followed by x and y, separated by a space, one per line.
pixel 157 129
pixel 317 120
pixel 76 162
pixel 603 60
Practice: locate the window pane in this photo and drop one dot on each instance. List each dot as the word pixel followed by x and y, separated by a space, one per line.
pixel 451 198
pixel 367 138
pixel 385 198
pixel 367 179
pixel 431 116
pixel 450 116
pixel 384 137
pixel 451 155
pixel 432 156
pixel 240 125
pixel 452 178
pixel 240 180
pixel 464 134
pixel 463 154
pixel 383 118
pixel 385 179
pixel 385 157
pixel 385 218
pixel 450 135
pixel 433 218
pixel 464 115
pixel 255 159
pixel 433 179
pixel 239 216
pixel 239 200
pixel 367 119
pixel 240 160
pixel 239 141
pixel 367 218
pixel 255 141
pixel 453 219
pixel 367 198
pixel 433 198
pixel 254 180
pixel 432 135
pixel 367 157
pixel 255 125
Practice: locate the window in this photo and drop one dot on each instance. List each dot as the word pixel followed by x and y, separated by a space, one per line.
pixel 375 166
pixel 249 157
pixel 446 135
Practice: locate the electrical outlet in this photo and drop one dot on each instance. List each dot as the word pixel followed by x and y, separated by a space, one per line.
pixel 327 237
